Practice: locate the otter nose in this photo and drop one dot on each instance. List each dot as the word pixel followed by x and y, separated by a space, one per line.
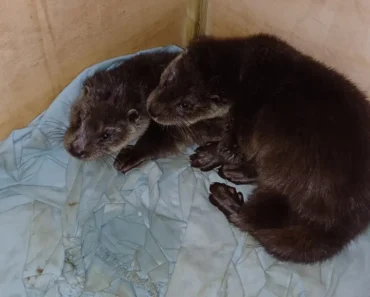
pixel 77 151
pixel 154 112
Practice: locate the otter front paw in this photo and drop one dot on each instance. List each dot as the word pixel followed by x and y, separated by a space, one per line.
pixel 206 157
pixel 230 153
pixel 238 174
pixel 226 199
pixel 127 159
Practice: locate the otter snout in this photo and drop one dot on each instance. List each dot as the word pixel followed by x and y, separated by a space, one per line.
pixel 154 110
pixel 76 150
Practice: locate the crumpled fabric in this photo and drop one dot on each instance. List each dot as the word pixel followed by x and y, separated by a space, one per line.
pixel 70 229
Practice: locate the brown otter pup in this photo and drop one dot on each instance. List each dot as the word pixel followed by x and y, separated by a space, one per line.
pixel 297 128
pixel 111 113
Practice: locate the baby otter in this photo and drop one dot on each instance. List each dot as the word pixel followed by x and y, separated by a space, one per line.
pixel 297 129
pixel 111 113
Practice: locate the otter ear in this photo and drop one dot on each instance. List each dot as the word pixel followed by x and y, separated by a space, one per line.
pixel 87 85
pixel 86 89
pixel 132 115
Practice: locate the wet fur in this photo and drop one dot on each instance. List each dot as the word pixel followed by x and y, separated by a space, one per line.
pixel 299 131
pixel 113 102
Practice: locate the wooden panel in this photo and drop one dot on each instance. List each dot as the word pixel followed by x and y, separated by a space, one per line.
pixel 334 31
pixel 44 44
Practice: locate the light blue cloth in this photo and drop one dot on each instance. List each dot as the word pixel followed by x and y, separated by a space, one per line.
pixel 69 228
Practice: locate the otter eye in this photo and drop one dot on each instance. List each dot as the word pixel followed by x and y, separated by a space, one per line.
pixel 107 95
pixel 86 90
pixel 78 119
pixel 105 136
pixel 185 105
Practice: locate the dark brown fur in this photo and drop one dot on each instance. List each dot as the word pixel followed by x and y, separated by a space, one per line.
pixel 111 113
pixel 298 129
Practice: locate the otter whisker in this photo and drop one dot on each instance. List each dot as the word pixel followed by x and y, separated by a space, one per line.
pixel 182 131
pixel 189 130
pixel 56 129
pixel 58 136
pixel 111 158
pixel 55 124
pixel 57 121
pixel 107 164
pixel 54 136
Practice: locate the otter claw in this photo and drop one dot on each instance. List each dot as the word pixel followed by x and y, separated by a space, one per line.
pixel 230 154
pixel 210 145
pixel 205 157
pixel 226 198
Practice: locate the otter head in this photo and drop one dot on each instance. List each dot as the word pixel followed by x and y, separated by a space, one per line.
pixel 186 94
pixel 106 117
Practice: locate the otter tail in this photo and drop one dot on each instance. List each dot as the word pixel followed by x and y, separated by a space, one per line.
pixel 299 244
pixel 269 219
